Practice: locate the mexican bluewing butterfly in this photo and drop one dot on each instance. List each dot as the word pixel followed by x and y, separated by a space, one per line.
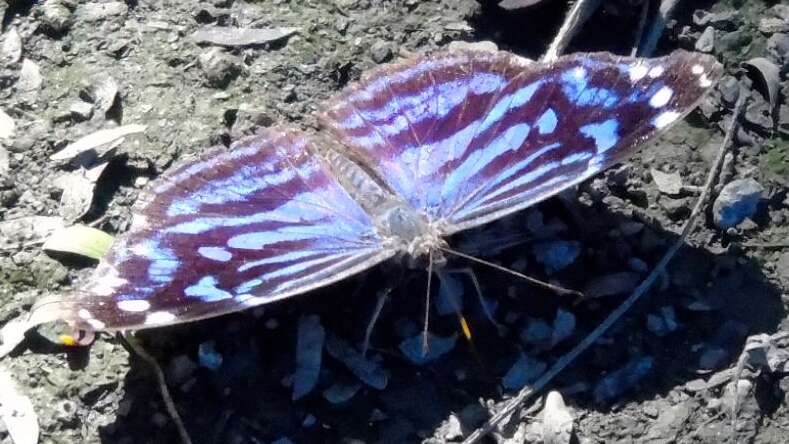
pixel 412 153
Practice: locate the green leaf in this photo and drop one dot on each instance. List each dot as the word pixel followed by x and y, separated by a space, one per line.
pixel 81 240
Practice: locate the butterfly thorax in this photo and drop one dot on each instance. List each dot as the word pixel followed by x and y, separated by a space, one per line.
pixel 411 233
pixel 406 229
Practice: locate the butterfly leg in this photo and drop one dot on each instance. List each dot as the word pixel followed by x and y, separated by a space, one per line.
pixel 382 299
pixel 425 339
pixel 468 271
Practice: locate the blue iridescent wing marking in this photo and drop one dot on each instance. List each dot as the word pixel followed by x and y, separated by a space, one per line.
pixel 233 229
pixel 472 136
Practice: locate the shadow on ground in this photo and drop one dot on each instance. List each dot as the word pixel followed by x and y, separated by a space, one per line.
pixel 718 300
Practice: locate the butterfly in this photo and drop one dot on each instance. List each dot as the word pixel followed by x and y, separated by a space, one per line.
pixel 412 153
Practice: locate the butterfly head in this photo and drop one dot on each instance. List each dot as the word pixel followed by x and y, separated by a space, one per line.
pixel 412 233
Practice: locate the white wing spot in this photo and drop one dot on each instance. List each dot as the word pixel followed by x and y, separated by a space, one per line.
pixel 84 314
pixel 579 73
pixel 134 305
pixel 704 81
pixel 637 72
pixel 665 118
pixel 107 284
pixel 142 249
pixel 661 97
pixel 159 317
pixel 97 324
pixel 656 72
pixel 697 69
pixel 249 300
pixel 139 222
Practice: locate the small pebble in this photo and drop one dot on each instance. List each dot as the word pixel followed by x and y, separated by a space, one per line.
pixel 309 351
pixel 612 284
pixel 557 421
pixel 180 369
pixel 537 334
pixel 220 67
pixel 339 393
pixel 736 202
pixel 381 52
pixel 563 326
pixel 525 370
pixel 450 295
pixel 208 357
pixel 706 42
pixel 309 421
pixel 367 369
pixel 56 16
pixel 618 382
pixel 438 346
pixel 556 255
pixel 81 110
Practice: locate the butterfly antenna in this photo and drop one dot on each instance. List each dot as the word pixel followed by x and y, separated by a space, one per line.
pixel 425 345
pixel 555 288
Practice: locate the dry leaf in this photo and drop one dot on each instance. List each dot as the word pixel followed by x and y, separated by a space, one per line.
pixel 29 77
pixel 17 412
pixel 106 139
pixel 7 126
pixel 667 183
pixel 770 75
pixel 227 36
pixel 517 4
pixel 78 189
pixel 13 333
pixel 11 50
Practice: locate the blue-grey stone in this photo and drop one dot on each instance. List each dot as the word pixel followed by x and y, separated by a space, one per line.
pixel 309 351
pixel 208 356
pixel 558 254
pixel 619 381
pixel 736 202
pixel 367 369
pixel 437 347
pixel 525 370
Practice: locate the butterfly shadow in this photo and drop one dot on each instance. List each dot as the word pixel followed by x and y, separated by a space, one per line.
pixel 694 323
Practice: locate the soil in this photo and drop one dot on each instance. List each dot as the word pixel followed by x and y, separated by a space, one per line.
pixel 665 373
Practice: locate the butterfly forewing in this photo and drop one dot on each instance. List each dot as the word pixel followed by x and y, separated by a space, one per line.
pixel 469 137
pixel 233 229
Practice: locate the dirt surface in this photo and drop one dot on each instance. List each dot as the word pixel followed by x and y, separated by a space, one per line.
pixel 668 372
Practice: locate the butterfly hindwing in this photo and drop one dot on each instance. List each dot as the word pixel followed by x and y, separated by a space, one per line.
pixel 471 136
pixel 233 229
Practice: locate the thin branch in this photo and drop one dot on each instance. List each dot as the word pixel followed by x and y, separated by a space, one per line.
pixel 579 13
pixel 658 25
pixel 642 23
pixel 163 390
pixel 767 245
pixel 514 403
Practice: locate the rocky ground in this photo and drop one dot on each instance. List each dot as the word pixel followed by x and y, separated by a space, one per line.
pixel 676 369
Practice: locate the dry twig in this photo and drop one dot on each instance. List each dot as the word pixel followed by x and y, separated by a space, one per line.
pixel 658 25
pixel 514 403
pixel 642 23
pixel 579 13
pixel 163 390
